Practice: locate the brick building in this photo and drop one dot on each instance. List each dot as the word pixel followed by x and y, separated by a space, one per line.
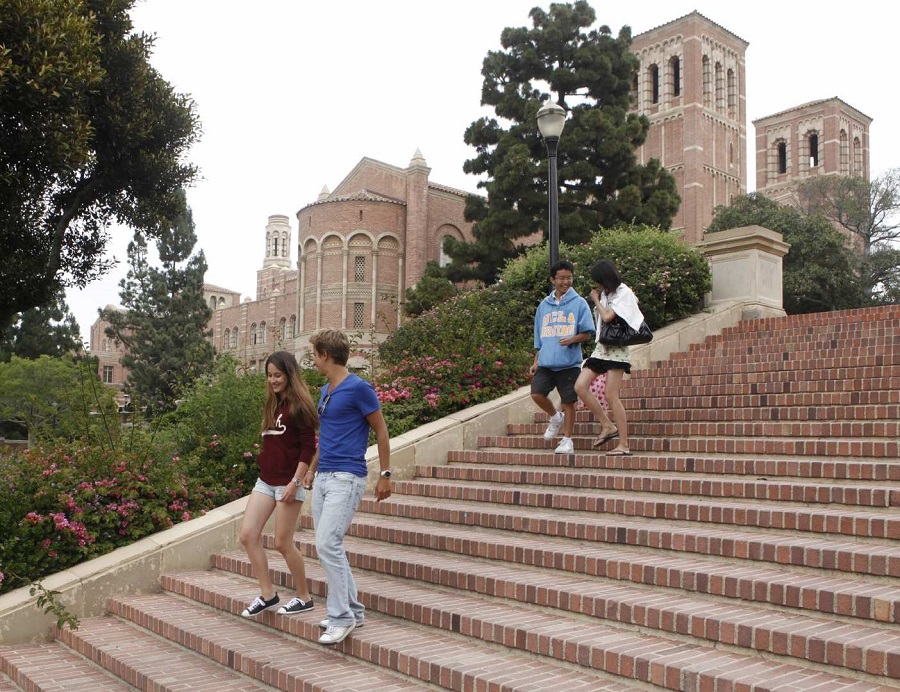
pixel 692 86
pixel 360 248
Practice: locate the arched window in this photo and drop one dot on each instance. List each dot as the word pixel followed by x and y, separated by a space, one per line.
pixel 845 153
pixel 732 94
pixel 282 329
pixel 226 342
pixel 653 77
pixel 813 143
pixel 221 302
pixel 707 82
pixel 284 245
pixel 857 158
pixel 253 334
pixel 782 157
pixel 212 303
pixel 292 328
pixel 262 333
pixel 234 338
pixel 675 72
pixel 720 88
pixel 275 246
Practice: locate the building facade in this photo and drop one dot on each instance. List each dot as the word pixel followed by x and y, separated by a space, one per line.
pixel 827 137
pixel 692 86
pixel 360 248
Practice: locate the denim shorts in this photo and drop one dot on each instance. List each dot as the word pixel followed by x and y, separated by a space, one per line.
pixel 276 491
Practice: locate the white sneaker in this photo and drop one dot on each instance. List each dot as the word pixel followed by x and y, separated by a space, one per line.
pixel 335 635
pixel 554 425
pixel 565 446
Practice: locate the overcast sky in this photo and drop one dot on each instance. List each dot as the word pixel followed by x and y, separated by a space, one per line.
pixel 291 95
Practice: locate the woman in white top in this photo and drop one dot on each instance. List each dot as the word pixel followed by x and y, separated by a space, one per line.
pixel 615 300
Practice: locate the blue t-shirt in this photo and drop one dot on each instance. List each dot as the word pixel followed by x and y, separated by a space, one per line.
pixel 343 428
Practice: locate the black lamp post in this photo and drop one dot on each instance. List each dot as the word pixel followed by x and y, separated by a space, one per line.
pixel 551 120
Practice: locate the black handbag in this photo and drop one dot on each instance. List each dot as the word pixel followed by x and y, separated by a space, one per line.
pixel 619 333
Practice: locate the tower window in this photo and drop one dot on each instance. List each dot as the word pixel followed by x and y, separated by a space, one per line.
pixel 108 374
pixel 732 94
pixel 675 64
pixel 782 158
pixel 857 158
pixel 359 268
pixel 845 153
pixel 359 310
pixel 813 150
pixel 253 334
pixel 275 246
pixel 707 82
pixel 653 73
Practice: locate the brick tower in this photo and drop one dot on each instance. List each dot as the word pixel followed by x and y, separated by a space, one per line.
pixel 692 86
pixel 827 137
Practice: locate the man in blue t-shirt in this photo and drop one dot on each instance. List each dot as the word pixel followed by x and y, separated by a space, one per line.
pixel 348 408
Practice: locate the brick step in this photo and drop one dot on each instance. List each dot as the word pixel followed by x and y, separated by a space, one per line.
pixel 714 384
pixel 882 341
pixel 777 401
pixel 426 654
pixel 808 590
pixel 147 662
pixel 801 550
pixel 864 337
pixel 595 644
pixel 868 412
pixel 641 426
pixel 755 513
pixel 435 590
pixel 50 667
pixel 7 686
pixel 838 365
pixel 269 658
pixel 869 448
pixel 824 492
pixel 825 468
pixel 755 331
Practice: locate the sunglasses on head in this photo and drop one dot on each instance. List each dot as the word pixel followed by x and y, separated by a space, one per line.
pixel 324 403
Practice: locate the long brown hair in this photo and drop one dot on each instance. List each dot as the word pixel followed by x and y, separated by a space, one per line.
pixel 300 403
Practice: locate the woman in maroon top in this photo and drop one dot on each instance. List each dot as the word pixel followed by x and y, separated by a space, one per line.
pixel 288 430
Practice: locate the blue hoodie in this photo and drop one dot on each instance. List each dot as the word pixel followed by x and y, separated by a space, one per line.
pixel 555 320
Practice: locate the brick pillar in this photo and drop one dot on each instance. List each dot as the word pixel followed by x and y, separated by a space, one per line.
pixel 416 219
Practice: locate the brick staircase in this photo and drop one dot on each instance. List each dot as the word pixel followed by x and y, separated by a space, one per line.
pixel 751 543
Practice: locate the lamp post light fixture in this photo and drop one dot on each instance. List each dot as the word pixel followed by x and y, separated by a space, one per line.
pixel 551 120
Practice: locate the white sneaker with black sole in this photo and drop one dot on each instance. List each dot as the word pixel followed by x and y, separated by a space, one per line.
pixel 258 605
pixel 554 425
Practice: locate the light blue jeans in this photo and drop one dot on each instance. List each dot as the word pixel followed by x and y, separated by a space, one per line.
pixel 335 498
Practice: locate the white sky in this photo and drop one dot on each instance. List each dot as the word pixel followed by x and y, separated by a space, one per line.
pixel 292 94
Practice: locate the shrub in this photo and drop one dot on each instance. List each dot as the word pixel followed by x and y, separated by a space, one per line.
pixel 669 277
pixel 74 501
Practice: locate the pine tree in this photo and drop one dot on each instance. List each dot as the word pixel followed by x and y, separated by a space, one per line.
pixel 163 324
pixel 590 74
pixel 49 330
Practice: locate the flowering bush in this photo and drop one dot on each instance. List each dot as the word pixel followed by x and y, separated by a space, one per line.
pixel 71 502
pixel 417 390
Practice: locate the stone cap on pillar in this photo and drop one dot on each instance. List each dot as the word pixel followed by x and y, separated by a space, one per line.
pixel 746 264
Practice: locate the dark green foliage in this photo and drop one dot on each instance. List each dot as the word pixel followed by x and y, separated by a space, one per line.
pixel 90 135
pixel 53 397
pixel 431 290
pixel 669 277
pixel 163 325
pixel 49 330
pixel 588 72
pixel 820 273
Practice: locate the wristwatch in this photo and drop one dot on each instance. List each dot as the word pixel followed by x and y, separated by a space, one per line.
pixel 296 481
pixel 386 474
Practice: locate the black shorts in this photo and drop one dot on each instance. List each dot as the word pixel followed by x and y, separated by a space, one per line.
pixel 600 366
pixel 546 380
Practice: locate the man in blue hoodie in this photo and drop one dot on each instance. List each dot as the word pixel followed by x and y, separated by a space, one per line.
pixel 562 321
